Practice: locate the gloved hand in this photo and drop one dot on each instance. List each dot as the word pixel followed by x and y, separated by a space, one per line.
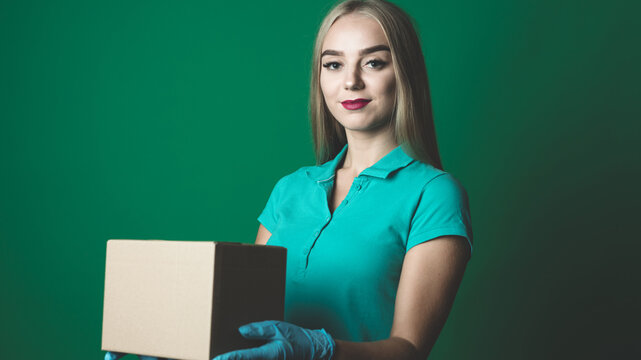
pixel 116 355
pixel 286 341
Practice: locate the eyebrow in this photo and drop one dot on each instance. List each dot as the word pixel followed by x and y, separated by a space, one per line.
pixel 365 51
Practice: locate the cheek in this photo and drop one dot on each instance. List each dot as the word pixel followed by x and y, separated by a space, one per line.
pixel 383 85
pixel 387 91
pixel 326 88
pixel 389 84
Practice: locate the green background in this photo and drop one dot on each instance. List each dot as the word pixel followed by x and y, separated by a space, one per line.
pixel 173 120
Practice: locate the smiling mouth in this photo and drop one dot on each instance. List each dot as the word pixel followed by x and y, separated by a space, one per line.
pixel 355 104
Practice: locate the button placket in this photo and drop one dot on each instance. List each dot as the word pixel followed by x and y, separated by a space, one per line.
pixel 356 187
pixel 306 250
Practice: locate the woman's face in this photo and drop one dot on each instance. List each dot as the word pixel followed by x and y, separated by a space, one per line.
pixel 357 77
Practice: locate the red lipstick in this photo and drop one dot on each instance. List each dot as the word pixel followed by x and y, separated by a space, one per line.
pixel 355 104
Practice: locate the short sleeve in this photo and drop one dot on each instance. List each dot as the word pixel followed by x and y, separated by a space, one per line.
pixel 443 209
pixel 269 216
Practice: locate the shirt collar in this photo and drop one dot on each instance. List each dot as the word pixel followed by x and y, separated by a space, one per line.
pixel 394 160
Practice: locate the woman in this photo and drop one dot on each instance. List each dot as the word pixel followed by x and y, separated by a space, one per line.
pixel 378 235
pixel 357 227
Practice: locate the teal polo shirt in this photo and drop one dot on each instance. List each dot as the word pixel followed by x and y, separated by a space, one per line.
pixel 343 268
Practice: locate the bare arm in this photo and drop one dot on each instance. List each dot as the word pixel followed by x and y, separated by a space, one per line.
pixel 431 274
pixel 263 235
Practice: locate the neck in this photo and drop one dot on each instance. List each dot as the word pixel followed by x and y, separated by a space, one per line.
pixel 365 151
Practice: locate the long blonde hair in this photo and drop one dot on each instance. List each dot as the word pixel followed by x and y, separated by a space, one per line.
pixel 412 118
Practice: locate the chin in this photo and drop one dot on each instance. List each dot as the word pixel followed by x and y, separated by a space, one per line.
pixel 362 125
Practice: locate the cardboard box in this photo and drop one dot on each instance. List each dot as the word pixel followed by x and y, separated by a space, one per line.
pixel 186 299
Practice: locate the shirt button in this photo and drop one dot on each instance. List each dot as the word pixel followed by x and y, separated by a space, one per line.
pixel 327 219
pixel 316 233
pixel 358 187
pixel 346 202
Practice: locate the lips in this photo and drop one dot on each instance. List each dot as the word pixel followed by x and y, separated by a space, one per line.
pixel 355 104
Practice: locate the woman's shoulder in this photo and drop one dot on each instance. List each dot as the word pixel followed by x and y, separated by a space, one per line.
pixel 425 174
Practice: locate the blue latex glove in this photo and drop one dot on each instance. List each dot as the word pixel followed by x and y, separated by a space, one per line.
pixel 286 341
pixel 116 355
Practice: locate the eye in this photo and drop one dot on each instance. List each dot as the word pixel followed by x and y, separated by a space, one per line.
pixel 333 65
pixel 375 64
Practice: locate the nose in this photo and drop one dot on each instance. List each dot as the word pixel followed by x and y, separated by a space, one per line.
pixel 353 80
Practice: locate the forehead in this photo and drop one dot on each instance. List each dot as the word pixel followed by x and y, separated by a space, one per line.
pixel 354 32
